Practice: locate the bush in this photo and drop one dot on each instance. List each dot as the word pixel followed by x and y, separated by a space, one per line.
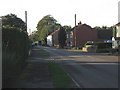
pixel 15 48
pixel 100 46
pixel 103 47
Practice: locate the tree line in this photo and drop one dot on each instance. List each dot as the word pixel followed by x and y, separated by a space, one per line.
pixel 46 26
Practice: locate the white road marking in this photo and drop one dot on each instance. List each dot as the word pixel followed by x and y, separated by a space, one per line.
pixel 74 80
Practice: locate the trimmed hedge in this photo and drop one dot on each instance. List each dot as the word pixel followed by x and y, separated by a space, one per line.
pixel 15 48
pixel 100 46
pixel 103 47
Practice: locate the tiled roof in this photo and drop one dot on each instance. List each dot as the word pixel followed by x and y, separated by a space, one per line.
pixel 118 24
pixel 54 32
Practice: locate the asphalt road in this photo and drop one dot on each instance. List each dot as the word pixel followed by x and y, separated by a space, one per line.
pixel 87 70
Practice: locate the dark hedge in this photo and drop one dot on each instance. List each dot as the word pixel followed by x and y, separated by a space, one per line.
pixel 15 48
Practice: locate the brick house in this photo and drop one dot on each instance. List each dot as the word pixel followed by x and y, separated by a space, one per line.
pixel 104 34
pixel 55 38
pixel 83 33
pixel 69 39
pixel 52 39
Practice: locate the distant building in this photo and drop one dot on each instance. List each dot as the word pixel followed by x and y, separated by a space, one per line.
pixel 116 38
pixel 52 39
pixel 69 38
pixel 49 40
pixel 104 34
pixel 83 33
pixel 118 30
pixel 55 38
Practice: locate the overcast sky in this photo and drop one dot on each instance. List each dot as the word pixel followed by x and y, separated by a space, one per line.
pixel 91 12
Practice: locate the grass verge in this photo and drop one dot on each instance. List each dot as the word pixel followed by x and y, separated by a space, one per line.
pixel 59 76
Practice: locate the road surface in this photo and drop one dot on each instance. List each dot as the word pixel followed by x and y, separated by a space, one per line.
pixel 88 70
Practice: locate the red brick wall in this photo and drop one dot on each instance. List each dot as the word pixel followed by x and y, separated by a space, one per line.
pixel 55 38
pixel 83 34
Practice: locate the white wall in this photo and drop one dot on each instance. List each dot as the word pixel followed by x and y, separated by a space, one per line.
pixel 49 40
pixel 118 31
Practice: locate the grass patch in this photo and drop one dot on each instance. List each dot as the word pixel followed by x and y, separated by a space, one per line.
pixel 60 77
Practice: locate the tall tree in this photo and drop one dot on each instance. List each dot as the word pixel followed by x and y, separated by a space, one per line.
pixel 34 36
pixel 15 47
pixel 45 26
pixel 12 21
pixel 97 28
pixel 67 28
pixel 62 37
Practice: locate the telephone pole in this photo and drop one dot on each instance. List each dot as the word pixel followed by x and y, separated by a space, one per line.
pixel 75 19
pixel 26 19
pixel 118 11
pixel 75 33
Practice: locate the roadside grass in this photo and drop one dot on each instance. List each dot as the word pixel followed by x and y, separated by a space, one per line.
pixel 59 76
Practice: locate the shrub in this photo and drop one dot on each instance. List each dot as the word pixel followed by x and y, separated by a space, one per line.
pixel 15 47
pixel 103 47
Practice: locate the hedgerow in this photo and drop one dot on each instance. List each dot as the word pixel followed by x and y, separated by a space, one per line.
pixel 15 48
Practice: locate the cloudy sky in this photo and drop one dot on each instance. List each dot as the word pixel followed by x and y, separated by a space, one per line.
pixel 91 12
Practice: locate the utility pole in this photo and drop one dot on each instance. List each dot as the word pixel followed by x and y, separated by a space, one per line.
pixel 118 22
pixel 26 19
pixel 1 52
pixel 75 19
pixel 118 11
pixel 75 33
